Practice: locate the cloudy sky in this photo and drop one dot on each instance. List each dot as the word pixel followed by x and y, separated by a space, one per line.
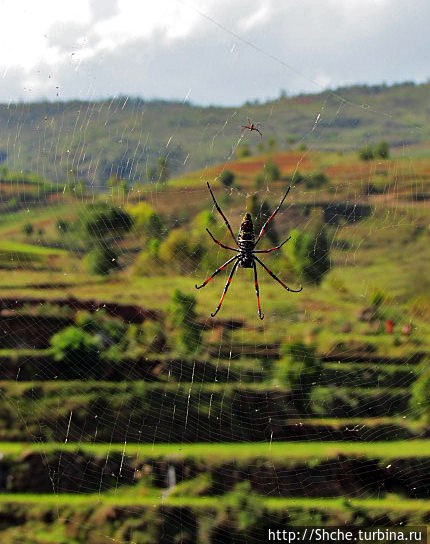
pixel 208 51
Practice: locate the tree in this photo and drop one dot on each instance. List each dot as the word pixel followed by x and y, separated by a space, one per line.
pixel 382 150
pixel 366 153
pixel 147 220
pixel 101 260
pixel 272 144
pixel 420 398
pixel 300 369
pixel 182 251
pixel 63 226
pixel 163 169
pixel 309 254
pixel 101 221
pixel 183 320
pixel 315 181
pixel 28 229
pixel 227 178
pixel 243 151
pixel 271 171
pixel 78 350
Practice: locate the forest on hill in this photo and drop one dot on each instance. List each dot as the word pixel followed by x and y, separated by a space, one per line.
pixel 127 137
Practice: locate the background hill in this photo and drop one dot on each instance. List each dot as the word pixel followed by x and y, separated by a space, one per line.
pixel 126 137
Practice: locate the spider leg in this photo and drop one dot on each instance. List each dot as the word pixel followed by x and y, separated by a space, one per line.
pixel 222 215
pixel 257 130
pixel 272 216
pixel 217 271
pixel 227 285
pixel 276 278
pixel 219 243
pixel 257 291
pixel 272 248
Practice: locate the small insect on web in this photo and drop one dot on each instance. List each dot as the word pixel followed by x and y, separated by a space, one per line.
pixel 253 126
pixel 246 253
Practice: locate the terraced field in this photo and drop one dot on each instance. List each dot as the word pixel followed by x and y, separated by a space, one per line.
pixel 143 442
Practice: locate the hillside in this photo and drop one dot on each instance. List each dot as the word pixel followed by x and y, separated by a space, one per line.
pixel 126 136
pixel 134 436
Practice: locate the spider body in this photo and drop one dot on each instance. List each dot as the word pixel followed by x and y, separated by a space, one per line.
pixel 246 242
pixel 245 253
pixel 251 126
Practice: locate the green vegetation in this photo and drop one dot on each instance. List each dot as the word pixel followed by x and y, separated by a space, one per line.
pixel 182 319
pixel 309 255
pixel 128 368
pixel 381 151
pixel 227 178
pixel 300 370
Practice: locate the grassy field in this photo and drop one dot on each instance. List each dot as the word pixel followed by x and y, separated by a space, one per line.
pixel 276 451
pixel 136 408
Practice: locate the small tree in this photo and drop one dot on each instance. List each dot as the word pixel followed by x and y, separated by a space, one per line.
pixel 101 260
pixel 243 151
pixel 182 251
pixel 28 229
pixel 78 350
pixel 300 369
pixel 272 144
pixel 382 150
pixel 309 254
pixel 366 153
pixel 147 220
pixel 63 226
pixel 183 320
pixel 101 222
pixel 315 181
pixel 163 169
pixel 271 171
pixel 420 398
pixel 227 178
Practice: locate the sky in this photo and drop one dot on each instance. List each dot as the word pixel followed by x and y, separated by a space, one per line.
pixel 219 52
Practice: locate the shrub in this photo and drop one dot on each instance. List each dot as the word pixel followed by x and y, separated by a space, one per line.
pixel 154 336
pixel 366 153
pixel 163 169
pixel 182 319
pixel 315 181
pixel 243 151
pixel 300 369
pixel 382 150
pixel 182 251
pixel 28 229
pixel 63 226
pixel 101 221
pixel 78 350
pixel 271 171
pixel 309 254
pixel 227 178
pixel 101 260
pixel 420 394
pixel 147 220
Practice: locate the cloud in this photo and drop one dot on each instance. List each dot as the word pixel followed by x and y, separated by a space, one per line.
pixel 99 48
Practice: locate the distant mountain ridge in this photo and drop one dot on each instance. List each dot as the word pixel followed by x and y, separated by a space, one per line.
pixel 126 136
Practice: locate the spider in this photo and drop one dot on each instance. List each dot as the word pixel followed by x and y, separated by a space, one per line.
pixel 253 126
pixel 246 253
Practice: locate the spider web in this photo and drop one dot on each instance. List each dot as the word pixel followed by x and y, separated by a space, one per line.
pixel 144 439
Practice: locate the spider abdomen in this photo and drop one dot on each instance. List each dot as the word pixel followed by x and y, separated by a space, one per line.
pixel 246 261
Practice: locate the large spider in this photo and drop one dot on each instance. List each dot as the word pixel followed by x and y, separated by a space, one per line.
pixel 246 253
